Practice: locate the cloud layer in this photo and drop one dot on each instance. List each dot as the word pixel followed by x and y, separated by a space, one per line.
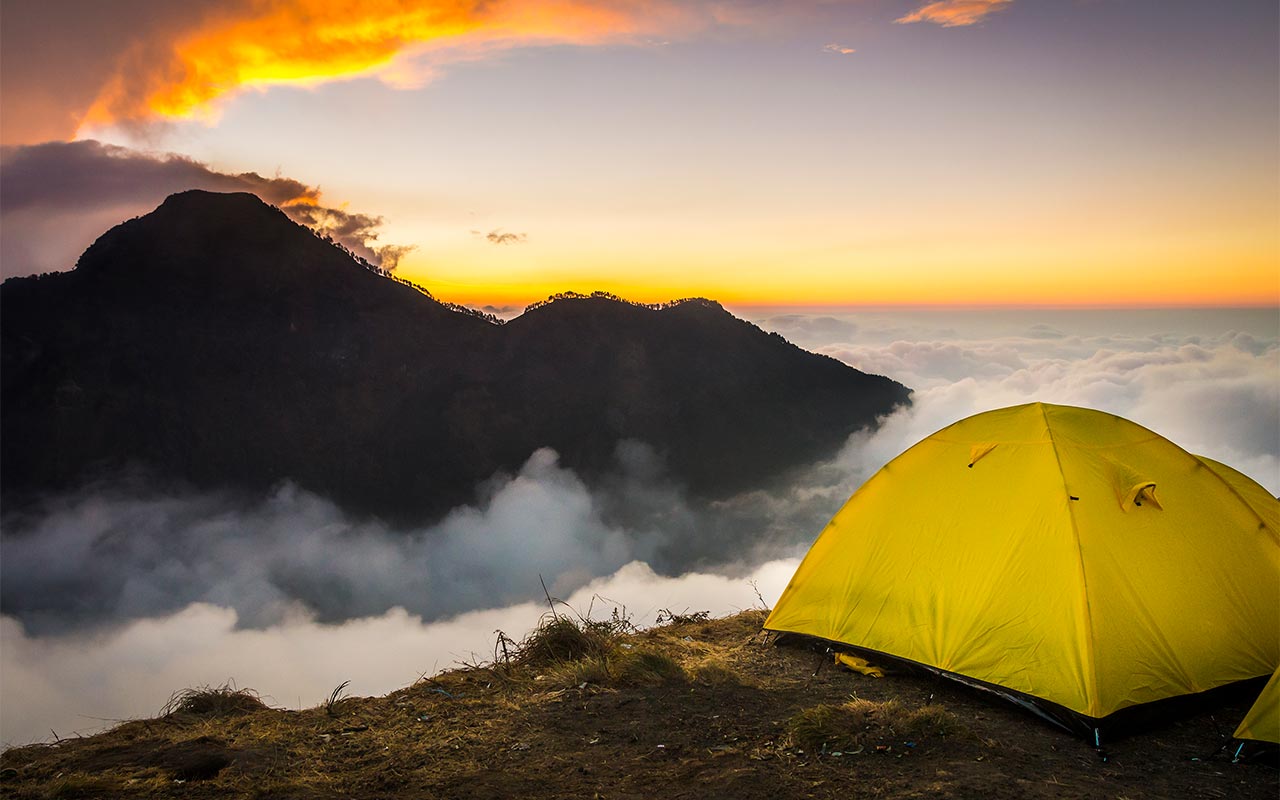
pixel 110 554
pixel 57 197
pixel 1213 393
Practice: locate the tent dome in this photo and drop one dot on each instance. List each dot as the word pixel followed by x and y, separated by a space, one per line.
pixel 1067 558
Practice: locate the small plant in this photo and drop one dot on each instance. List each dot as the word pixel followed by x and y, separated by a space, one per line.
pixel 335 697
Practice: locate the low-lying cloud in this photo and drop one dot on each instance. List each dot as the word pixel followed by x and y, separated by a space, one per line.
pixel 110 554
pixel 80 684
pixel 1214 394
pixel 56 198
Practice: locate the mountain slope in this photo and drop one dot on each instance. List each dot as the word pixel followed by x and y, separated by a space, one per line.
pixel 696 708
pixel 216 342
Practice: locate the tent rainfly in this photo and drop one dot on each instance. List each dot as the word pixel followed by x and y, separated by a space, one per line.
pixel 1068 559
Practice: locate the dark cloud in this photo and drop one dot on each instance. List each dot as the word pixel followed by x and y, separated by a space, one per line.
pixel 498 237
pixel 56 176
pixel 57 197
pixel 358 232
pixel 388 255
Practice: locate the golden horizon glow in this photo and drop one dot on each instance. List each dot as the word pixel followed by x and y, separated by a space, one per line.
pixel 1179 261
pixel 852 293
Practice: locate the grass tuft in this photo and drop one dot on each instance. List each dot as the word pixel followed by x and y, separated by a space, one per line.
pixel 213 701
pixel 560 639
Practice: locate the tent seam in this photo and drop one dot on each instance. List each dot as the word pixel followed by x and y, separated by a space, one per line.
pixel 1199 463
pixel 1091 667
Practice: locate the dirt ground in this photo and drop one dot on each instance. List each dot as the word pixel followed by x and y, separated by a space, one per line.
pixel 720 725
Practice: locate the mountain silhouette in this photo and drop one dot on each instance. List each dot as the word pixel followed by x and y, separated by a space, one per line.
pixel 216 342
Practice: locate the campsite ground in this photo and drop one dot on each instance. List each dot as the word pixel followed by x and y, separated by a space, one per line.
pixel 694 709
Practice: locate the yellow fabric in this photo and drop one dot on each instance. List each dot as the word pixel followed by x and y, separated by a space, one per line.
pixel 1048 567
pixel 859 665
pixel 1262 723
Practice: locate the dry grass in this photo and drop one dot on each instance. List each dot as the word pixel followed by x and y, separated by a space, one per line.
pixel 717 672
pixel 587 671
pixel 77 785
pixel 558 640
pixel 649 667
pixel 213 701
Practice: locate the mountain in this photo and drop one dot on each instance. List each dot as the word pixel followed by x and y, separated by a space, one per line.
pixel 216 342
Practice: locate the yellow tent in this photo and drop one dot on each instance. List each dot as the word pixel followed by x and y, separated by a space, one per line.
pixel 1262 723
pixel 1066 558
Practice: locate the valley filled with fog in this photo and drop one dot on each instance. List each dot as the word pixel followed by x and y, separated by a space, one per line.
pixel 117 595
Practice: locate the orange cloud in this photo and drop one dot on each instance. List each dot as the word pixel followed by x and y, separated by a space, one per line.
pixel 954 13
pixel 308 42
pixel 839 49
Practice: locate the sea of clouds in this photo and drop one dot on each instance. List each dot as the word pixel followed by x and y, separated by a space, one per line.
pixel 116 596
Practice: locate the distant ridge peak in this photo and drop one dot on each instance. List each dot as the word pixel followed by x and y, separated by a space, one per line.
pixel 204 202
pixel 205 195
pixel 563 297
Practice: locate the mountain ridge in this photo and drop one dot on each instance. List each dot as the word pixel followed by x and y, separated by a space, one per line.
pixel 216 341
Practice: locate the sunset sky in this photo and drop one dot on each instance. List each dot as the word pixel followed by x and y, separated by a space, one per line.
pixel 868 152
